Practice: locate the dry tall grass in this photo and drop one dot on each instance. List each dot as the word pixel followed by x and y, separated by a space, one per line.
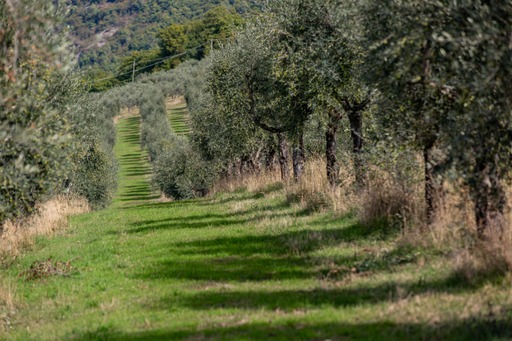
pixel 384 196
pixel 313 192
pixel 392 200
pixel 253 182
pixel 7 295
pixel 7 305
pixel 17 235
pixel 50 217
pixel 399 200
pixel 126 112
pixel 454 230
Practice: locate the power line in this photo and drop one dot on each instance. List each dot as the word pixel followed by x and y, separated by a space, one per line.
pixel 159 61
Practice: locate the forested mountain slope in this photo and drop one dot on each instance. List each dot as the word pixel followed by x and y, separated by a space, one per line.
pixel 105 30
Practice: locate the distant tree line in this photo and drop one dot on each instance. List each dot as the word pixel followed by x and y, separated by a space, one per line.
pixel 179 42
pixel 108 32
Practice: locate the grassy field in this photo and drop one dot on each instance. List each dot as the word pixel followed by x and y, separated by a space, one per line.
pixel 177 113
pixel 240 266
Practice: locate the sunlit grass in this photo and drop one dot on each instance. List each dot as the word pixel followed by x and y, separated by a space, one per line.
pixel 178 117
pixel 242 265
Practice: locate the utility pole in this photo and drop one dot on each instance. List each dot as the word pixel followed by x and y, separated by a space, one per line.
pixel 133 71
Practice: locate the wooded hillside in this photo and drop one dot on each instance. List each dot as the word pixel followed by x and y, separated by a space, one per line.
pixel 105 30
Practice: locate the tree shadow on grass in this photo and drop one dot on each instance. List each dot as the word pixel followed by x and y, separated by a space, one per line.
pixel 140 198
pixel 164 205
pixel 131 156
pixel 210 220
pixel 477 328
pixel 137 171
pixel 294 242
pixel 230 268
pixel 211 201
pixel 261 258
pixel 137 193
pixel 290 300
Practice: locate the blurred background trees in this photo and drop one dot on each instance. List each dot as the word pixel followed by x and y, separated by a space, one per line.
pixel 34 65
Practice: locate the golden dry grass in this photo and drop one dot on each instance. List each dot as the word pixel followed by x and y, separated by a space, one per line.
pixel 174 100
pixel 313 192
pixel 389 199
pixel 8 303
pixel 253 182
pixel 454 229
pixel 18 235
pixel 7 295
pixel 50 216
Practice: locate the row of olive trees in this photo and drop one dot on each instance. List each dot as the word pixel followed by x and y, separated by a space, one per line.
pixel 178 170
pixel 53 140
pixel 442 68
pixel 293 65
pixel 93 171
pixel 31 130
pixel 437 72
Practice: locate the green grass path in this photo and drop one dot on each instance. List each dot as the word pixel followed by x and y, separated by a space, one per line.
pixel 178 117
pixel 134 168
pixel 237 266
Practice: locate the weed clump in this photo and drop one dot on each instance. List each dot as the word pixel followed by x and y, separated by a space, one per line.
pixel 310 200
pixel 485 258
pixel 47 268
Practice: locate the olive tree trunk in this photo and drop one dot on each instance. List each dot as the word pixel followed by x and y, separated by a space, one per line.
pixel 333 167
pixel 489 198
pixel 299 157
pixel 430 186
pixel 355 118
pixel 283 156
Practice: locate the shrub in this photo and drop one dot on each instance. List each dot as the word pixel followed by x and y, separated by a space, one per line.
pixel 33 131
pixel 94 174
pixel 181 173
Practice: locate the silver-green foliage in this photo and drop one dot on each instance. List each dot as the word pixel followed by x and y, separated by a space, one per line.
pixel 180 172
pixel 155 129
pixel 445 67
pixel 93 174
pixel 34 133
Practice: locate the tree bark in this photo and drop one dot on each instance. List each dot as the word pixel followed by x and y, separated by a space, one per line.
pixel 270 158
pixel 430 186
pixel 355 117
pixel 283 156
pixel 333 167
pixel 489 199
pixel 298 156
pixel 434 192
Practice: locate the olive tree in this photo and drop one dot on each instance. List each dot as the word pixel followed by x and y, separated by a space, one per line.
pixel 405 64
pixel 476 39
pixel 444 69
pixel 247 89
pixel 34 62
